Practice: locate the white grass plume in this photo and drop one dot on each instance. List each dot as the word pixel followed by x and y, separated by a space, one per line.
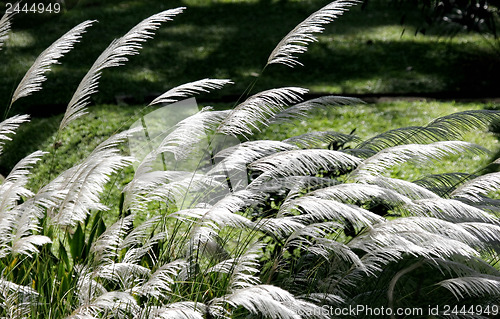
pixel 158 285
pixel 242 269
pixel 105 247
pixel 313 239
pixel 409 189
pixel 452 210
pixel 302 162
pixel 449 127
pixel 85 182
pixel 9 126
pixel 296 41
pixel 319 210
pixel 392 156
pixel 473 286
pixel 475 189
pixel 175 310
pixel 17 300
pixel 5 25
pixel 257 109
pixel 114 55
pixel 189 89
pixel 34 77
pixel 266 300
pixel 13 187
pixel 354 192
pixel 444 184
pixel 189 131
pixel 238 156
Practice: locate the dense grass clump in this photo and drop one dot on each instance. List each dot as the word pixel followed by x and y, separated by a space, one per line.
pixel 213 224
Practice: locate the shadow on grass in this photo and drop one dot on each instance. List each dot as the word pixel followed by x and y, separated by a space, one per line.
pixel 233 40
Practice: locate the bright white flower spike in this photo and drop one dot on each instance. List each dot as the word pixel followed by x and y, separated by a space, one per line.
pixel 317 210
pixel 176 310
pixel 114 55
pixel 158 284
pixel 296 41
pixel 5 25
pixel 189 89
pixel 33 79
pixel 9 126
pixel 403 187
pixel 269 301
pixel 475 189
pixel 302 162
pixel 85 182
pixel 243 269
pixel 105 247
pixel 257 110
pixel 451 210
pixel 478 286
pixel 389 157
pixel 190 131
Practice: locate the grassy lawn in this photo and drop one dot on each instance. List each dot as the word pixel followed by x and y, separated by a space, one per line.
pixel 369 120
pixel 363 52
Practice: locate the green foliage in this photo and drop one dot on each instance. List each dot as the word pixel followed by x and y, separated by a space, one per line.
pixel 365 54
pixel 282 227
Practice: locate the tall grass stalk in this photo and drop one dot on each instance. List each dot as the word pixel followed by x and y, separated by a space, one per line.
pixel 213 225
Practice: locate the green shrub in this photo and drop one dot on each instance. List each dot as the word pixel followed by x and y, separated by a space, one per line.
pixel 310 226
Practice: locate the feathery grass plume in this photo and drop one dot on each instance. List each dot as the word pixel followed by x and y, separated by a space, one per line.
pixel 266 300
pixel 476 189
pixel 105 247
pixel 317 210
pixel 159 283
pixel 354 192
pixel 302 162
pixel 114 55
pixel 300 111
pixel 392 156
pixel 487 287
pixel 16 300
pixel 257 109
pixel 296 41
pixel 448 127
pixel 456 124
pixel 13 187
pixel 451 210
pixel 5 25
pixel 112 304
pixel 34 77
pixel 18 222
pixel 87 288
pixel 85 181
pixel 189 131
pixel 176 310
pixel 444 184
pixel 418 236
pixel 122 274
pixel 237 157
pixel 189 89
pixel 242 269
pixel 409 189
pixel 9 126
pixel 314 239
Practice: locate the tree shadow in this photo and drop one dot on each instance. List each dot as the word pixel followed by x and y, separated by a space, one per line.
pixel 233 40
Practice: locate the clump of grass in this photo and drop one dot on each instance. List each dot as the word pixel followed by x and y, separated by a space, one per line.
pixel 211 227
